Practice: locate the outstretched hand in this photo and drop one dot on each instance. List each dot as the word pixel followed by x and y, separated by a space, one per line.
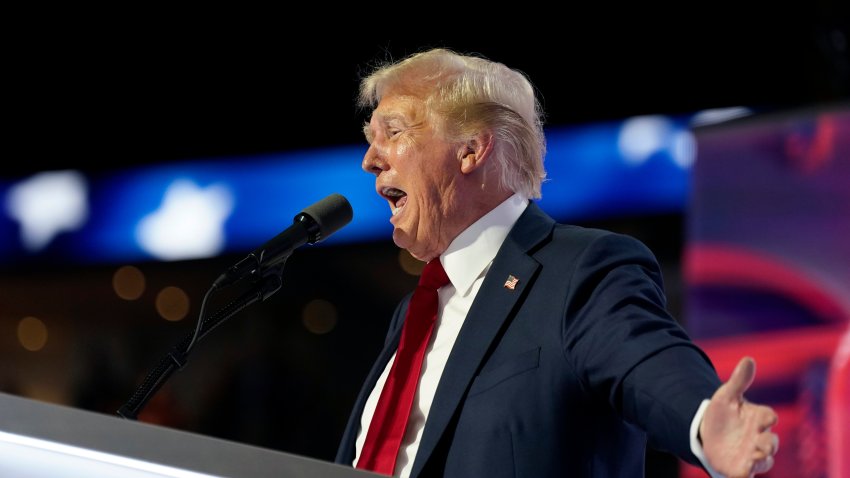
pixel 735 433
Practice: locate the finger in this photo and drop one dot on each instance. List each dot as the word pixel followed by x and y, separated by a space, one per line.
pixel 741 379
pixel 774 443
pixel 762 466
pixel 766 418
pixel 767 444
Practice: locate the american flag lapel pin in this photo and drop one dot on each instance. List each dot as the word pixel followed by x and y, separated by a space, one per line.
pixel 511 282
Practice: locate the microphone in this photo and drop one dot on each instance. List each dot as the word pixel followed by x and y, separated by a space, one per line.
pixel 314 224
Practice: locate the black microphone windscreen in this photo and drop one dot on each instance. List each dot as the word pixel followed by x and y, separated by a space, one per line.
pixel 331 214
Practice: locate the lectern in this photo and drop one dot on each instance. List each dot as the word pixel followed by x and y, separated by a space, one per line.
pixel 43 440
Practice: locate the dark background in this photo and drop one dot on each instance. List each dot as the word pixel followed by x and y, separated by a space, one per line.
pixel 106 96
pixel 110 94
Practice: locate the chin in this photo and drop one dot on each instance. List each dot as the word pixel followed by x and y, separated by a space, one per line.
pixel 403 241
pixel 401 238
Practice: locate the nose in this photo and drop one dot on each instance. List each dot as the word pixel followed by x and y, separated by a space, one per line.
pixel 373 161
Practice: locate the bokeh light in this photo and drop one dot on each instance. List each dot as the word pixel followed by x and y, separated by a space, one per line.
pixel 172 303
pixel 128 282
pixel 32 333
pixel 319 316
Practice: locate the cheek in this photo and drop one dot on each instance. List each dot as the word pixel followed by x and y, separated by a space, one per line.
pixel 402 149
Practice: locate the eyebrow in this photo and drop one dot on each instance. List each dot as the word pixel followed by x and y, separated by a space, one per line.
pixel 367 132
pixel 384 118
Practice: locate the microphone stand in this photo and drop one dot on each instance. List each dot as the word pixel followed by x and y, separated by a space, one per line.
pixel 269 282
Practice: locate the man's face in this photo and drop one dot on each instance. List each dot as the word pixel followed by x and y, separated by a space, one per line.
pixel 417 172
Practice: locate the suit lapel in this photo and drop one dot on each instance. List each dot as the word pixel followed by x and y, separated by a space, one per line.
pixel 492 307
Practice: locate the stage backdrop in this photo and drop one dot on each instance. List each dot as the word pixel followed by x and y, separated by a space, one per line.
pixel 767 268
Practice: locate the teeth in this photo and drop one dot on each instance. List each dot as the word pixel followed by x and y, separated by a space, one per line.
pixel 393 192
pixel 396 196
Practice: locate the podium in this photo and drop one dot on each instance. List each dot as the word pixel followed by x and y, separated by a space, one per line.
pixel 40 440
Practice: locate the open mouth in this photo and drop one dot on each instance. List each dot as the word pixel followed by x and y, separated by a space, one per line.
pixel 397 198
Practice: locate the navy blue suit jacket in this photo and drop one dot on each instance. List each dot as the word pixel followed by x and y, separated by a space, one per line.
pixel 568 374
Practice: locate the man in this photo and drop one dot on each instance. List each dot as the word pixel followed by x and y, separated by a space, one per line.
pixel 552 352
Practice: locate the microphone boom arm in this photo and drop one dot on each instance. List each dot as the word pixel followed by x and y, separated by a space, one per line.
pixel 177 357
pixel 264 266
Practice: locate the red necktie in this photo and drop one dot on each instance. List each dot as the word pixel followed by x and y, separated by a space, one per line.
pixel 390 420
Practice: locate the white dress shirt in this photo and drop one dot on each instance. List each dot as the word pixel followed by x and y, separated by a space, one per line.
pixel 466 261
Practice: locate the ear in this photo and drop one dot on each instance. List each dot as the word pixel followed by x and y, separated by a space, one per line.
pixel 475 152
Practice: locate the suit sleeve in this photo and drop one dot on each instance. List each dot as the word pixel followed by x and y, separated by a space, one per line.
pixel 626 347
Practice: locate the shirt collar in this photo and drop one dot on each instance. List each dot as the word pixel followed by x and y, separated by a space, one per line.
pixel 473 250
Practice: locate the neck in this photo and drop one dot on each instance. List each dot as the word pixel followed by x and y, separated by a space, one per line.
pixel 474 208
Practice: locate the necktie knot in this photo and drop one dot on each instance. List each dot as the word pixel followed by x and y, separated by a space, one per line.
pixel 433 275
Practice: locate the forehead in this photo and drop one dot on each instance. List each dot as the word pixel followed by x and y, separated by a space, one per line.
pixel 403 107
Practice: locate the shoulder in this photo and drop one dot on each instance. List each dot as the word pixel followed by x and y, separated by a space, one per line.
pixel 551 242
pixel 584 240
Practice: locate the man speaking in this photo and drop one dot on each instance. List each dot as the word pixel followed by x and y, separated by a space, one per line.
pixel 529 348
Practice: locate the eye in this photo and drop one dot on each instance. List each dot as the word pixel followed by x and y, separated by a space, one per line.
pixel 393 132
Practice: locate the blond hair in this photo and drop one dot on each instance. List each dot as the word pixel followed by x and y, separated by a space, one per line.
pixel 471 94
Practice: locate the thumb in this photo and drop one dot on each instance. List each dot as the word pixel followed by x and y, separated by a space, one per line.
pixel 741 379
